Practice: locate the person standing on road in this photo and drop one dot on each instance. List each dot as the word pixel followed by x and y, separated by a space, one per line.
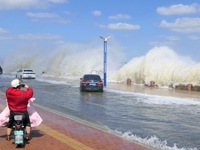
pixel 17 99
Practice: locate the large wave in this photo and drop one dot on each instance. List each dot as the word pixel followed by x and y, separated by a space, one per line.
pixel 161 64
pixel 68 59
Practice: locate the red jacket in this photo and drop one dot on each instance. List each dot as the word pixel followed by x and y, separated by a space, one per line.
pixel 18 99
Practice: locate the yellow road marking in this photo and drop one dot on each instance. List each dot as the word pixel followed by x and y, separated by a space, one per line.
pixel 63 138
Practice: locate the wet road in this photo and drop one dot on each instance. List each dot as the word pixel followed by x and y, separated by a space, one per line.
pixel 150 119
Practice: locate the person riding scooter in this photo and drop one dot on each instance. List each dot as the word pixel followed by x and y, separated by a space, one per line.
pixel 17 99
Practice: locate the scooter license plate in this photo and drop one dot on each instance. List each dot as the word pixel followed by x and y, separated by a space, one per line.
pixel 18 139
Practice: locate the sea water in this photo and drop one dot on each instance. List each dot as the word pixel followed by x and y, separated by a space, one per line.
pixel 162 122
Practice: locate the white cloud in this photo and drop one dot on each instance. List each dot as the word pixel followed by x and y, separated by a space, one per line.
pixel 67 13
pixel 5 37
pixel 4 34
pixel 96 13
pixel 193 37
pixel 183 25
pixel 42 15
pixel 23 4
pixel 121 26
pixel 154 44
pixel 39 36
pixel 172 38
pixel 2 30
pixel 120 16
pixel 52 16
pixel 179 9
pixel 57 1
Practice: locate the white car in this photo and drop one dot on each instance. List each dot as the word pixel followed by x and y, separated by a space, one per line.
pixel 25 74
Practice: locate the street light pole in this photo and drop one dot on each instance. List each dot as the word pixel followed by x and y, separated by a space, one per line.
pixel 105 58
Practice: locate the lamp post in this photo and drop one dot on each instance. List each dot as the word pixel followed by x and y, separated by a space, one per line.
pixel 105 58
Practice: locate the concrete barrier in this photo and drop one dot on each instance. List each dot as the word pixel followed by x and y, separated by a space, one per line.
pixel 128 81
pixel 189 87
pixel 152 84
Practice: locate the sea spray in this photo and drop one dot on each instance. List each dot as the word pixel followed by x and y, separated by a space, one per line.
pixel 67 59
pixel 161 65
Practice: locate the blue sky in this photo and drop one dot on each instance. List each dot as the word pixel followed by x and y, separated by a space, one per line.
pixel 136 25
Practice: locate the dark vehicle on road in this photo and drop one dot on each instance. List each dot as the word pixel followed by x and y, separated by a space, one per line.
pixel 1 70
pixel 91 82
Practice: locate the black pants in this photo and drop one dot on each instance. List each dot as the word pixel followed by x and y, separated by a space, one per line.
pixel 25 115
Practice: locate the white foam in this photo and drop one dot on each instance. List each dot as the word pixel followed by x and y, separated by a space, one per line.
pixel 159 100
pixel 152 141
pixel 51 81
